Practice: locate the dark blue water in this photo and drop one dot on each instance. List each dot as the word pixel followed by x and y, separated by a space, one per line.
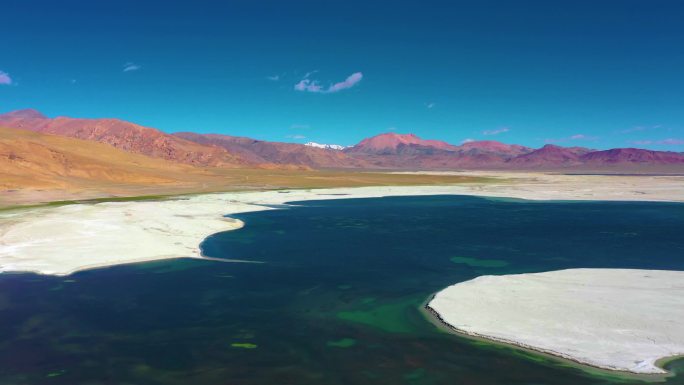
pixel 337 299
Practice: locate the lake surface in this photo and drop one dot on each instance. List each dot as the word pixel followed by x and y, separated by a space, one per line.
pixel 336 300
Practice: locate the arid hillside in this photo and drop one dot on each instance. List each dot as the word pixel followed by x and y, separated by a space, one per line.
pixel 38 168
pixel 33 160
pixel 125 136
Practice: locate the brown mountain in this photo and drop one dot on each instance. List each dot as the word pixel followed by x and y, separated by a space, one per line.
pixel 407 151
pixel 551 156
pixel 259 151
pixel 488 153
pixel 392 143
pixel 492 147
pixel 411 152
pixel 123 135
pixel 633 156
pixel 29 159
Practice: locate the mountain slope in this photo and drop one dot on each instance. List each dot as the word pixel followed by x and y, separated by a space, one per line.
pixel 494 148
pixel 276 152
pixel 633 156
pixel 124 135
pixel 30 159
pixel 551 155
pixel 391 143
pixel 411 152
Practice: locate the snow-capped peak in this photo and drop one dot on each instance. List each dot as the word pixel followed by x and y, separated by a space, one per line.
pixel 325 146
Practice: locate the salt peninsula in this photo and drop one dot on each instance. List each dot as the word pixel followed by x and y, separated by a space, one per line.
pixel 617 319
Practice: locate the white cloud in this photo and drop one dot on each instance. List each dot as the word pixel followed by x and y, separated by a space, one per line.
pixel 497 131
pixel 666 142
pixel 296 136
pixel 468 140
pixel 640 128
pixel 300 126
pixel 672 141
pixel 128 67
pixel 349 82
pixel 274 78
pixel 583 137
pixel 308 85
pixel 306 76
pixel 430 105
pixel 571 137
pixel 5 79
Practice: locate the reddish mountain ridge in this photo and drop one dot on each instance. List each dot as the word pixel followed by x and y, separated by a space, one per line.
pixel 385 151
pixel 123 135
pixel 493 148
pixel 259 151
pixel 633 156
pixel 552 155
pixel 410 152
pixel 392 143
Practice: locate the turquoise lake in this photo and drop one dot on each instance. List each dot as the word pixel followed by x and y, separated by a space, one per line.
pixel 336 298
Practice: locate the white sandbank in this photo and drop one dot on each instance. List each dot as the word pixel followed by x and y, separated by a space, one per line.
pixel 618 319
pixel 65 239
pixel 62 240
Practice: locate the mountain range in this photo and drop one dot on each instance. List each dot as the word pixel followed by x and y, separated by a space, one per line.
pixel 385 151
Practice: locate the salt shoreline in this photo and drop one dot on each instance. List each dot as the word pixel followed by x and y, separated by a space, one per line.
pixel 587 316
pixel 66 239
pixel 437 320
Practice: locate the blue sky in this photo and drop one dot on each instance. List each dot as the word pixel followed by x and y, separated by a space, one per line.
pixel 607 73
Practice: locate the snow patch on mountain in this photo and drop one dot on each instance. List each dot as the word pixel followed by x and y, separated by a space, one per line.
pixel 325 146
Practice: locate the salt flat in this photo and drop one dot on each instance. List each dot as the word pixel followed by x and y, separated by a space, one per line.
pixel 61 240
pixel 617 319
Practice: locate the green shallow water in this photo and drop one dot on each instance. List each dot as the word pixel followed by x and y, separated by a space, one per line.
pixel 337 300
